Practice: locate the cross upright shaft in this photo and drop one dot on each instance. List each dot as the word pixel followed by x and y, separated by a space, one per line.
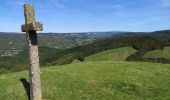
pixel 29 13
pixel 30 24
pixel 30 28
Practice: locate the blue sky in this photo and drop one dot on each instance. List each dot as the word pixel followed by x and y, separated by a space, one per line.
pixel 89 15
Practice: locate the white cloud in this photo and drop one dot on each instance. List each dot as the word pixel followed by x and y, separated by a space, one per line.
pixel 14 2
pixel 120 14
pixel 18 2
pixel 117 6
pixel 165 3
pixel 58 3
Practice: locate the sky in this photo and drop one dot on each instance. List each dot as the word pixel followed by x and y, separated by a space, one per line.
pixel 63 16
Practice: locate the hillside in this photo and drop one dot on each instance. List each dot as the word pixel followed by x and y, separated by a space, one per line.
pixel 165 53
pixel 118 54
pixel 14 43
pixel 163 33
pixel 94 81
pixel 141 42
pixel 17 41
pixel 20 62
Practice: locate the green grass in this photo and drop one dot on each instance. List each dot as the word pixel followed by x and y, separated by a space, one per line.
pixel 118 54
pixel 105 80
pixel 165 53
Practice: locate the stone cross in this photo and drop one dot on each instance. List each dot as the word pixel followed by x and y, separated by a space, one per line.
pixel 30 28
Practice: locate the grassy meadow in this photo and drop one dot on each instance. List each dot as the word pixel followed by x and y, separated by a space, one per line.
pixel 102 80
pixel 165 53
pixel 118 54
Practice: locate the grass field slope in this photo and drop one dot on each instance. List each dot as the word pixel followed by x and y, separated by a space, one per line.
pixel 165 53
pixel 119 54
pixel 106 80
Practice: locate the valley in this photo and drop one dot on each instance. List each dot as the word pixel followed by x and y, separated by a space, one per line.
pixel 84 50
pixel 85 66
pixel 129 46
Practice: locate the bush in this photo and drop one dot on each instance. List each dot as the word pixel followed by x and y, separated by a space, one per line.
pixel 80 58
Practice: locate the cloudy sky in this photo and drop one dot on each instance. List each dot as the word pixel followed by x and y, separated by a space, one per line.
pixel 89 15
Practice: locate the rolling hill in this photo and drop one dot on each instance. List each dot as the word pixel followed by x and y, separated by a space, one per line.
pixel 105 80
pixel 98 77
pixel 118 54
pixel 142 43
pixel 165 53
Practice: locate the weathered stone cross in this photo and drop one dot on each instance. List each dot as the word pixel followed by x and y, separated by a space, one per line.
pixel 30 28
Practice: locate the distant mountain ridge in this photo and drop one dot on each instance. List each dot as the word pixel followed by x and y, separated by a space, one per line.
pixel 12 40
pixel 142 43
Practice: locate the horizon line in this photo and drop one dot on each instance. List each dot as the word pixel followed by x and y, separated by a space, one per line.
pixel 88 31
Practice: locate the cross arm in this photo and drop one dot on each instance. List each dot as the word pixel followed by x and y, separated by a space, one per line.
pixel 36 26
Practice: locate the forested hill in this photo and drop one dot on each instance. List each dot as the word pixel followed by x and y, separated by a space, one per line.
pixel 17 41
pixel 164 34
pixel 52 40
pixel 142 43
